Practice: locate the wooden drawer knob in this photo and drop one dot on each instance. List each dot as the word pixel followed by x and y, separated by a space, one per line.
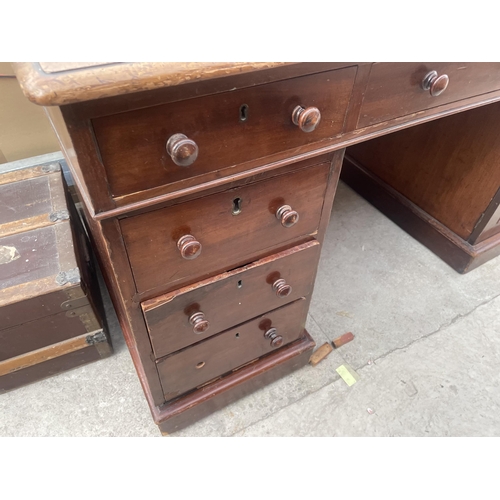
pixel 287 216
pixel 272 335
pixel 182 150
pixel 435 84
pixel 307 119
pixel 200 324
pixel 189 247
pixel 281 288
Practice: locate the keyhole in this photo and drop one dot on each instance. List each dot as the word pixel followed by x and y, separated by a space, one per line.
pixel 236 206
pixel 240 284
pixel 243 113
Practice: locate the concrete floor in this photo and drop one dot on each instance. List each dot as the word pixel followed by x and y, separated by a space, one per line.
pixel 426 348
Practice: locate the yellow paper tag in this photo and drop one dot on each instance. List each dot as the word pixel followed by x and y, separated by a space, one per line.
pixel 349 376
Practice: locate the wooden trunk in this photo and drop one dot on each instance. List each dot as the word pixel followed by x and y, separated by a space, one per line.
pixel 50 306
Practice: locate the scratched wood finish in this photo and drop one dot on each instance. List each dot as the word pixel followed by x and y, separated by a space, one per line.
pixel 78 136
pixel 58 67
pixel 216 356
pixel 395 89
pixel 67 83
pixel 105 106
pixel 230 298
pixel 227 240
pixel 30 256
pixel 13 211
pixel 244 124
pixel 112 256
pixel 450 168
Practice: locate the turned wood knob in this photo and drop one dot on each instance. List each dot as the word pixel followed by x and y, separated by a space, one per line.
pixel 182 150
pixel 307 119
pixel 435 84
pixel 272 335
pixel 281 288
pixel 200 324
pixel 287 216
pixel 189 247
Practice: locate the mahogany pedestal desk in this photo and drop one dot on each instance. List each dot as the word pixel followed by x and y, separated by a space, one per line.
pixel 208 187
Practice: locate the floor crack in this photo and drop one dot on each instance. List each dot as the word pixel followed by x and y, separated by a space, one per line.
pixel 456 318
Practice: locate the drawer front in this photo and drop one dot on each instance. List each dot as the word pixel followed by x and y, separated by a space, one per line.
pixel 156 242
pixel 229 350
pixel 186 316
pixel 395 89
pixel 228 129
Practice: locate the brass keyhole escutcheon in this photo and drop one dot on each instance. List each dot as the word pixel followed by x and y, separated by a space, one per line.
pixel 201 364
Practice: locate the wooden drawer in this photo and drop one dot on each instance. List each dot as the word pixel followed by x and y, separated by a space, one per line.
pixel 227 240
pixel 228 128
pixel 216 356
pixel 395 90
pixel 229 298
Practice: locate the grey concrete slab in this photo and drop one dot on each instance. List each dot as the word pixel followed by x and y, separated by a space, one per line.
pixel 446 384
pixel 378 282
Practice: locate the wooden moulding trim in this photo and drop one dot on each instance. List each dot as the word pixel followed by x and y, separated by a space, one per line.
pixel 244 374
pixel 27 173
pixel 322 148
pixel 200 188
pixel 487 224
pixel 485 245
pixel 106 80
pixel 25 291
pixel 161 300
pixel 21 226
pixel 44 354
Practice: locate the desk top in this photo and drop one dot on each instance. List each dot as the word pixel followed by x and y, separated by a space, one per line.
pixel 55 84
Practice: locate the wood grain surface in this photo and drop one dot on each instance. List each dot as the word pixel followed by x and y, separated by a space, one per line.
pixel 54 84
pixel 218 355
pixel 450 168
pixel 230 298
pixel 395 90
pixel 227 240
pixel 133 145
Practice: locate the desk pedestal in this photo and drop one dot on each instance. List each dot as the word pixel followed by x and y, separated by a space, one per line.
pixel 439 182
